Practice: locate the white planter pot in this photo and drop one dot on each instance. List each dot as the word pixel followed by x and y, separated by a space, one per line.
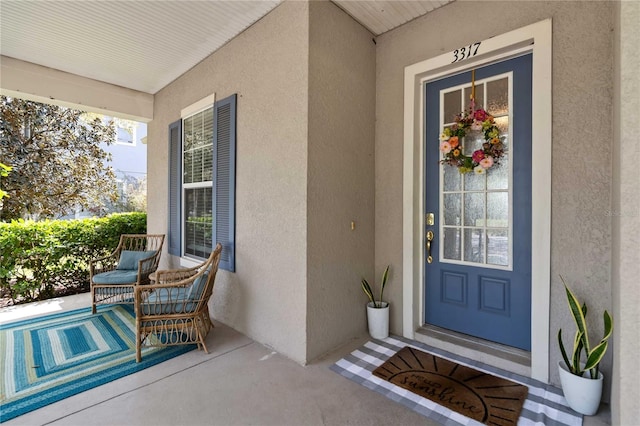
pixel 378 319
pixel 583 394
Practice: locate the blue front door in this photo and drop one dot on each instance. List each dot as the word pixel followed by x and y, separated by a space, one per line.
pixel 478 277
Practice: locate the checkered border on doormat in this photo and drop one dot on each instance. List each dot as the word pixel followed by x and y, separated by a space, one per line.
pixel 545 404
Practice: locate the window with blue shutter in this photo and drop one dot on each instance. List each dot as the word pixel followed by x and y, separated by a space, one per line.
pixel 202 163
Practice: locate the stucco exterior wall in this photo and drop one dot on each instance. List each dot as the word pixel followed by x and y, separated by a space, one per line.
pixel 341 176
pixel 582 139
pixel 266 66
pixel 625 211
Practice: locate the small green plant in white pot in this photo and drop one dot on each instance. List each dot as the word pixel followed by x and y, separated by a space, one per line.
pixel 377 310
pixel 580 376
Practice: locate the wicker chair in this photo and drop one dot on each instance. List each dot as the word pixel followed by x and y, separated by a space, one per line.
pixel 114 277
pixel 174 310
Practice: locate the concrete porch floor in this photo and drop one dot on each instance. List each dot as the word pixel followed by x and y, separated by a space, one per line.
pixel 240 382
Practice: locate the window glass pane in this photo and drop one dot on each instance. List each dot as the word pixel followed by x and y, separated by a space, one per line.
pixel 498 209
pixel 188 167
pixel 198 120
pixel 207 126
pixel 452 106
pixel 498 247
pixel 452 178
pixel 207 163
pixel 188 138
pixel 479 96
pixel 198 222
pixel 474 209
pixel 474 245
pixel 498 97
pixel 197 165
pixel 472 141
pixel 196 123
pixel 198 142
pixel 125 135
pixel 452 249
pixel 474 181
pixel 452 209
pixel 503 125
pixel 498 174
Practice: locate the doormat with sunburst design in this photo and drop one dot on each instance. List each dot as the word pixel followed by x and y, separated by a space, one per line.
pixel 475 394
pixel 545 404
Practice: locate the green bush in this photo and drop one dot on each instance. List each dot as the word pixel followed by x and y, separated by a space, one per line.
pixel 38 259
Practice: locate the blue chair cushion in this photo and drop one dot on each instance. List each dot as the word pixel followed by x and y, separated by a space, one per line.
pixel 169 301
pixel 129 259
pixel 117 276
pixel 176 300
pixel 195 290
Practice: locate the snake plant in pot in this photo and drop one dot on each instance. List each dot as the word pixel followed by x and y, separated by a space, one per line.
pixel 377 310
pixel 580 376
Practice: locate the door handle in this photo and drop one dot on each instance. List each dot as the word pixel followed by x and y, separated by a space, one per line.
pixel 429 239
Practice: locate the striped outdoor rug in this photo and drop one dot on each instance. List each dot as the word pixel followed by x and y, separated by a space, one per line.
pixel 46 359
pixel 545 404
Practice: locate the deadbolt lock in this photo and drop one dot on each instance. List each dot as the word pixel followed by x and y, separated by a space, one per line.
pixel 430 219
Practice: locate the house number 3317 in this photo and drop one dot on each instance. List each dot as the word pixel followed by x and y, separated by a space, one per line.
pixel 465 52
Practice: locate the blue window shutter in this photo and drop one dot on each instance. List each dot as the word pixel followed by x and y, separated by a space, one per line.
pixel 224 185
pixel 175 188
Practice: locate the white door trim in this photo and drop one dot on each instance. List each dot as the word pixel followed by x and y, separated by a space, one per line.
pixel 534 38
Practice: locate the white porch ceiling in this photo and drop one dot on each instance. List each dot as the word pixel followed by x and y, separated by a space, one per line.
pixel 145 45
pixel 380 16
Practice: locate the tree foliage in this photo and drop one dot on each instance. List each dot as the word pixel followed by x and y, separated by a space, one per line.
pixel 4 172
pixel 57 162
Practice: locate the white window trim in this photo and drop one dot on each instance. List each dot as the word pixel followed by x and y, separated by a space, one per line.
pixel 186 260
pixel 534 38
pixel 198 106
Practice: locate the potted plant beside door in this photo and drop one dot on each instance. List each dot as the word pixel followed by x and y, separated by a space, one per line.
pixel 580 376
pixel 377 310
